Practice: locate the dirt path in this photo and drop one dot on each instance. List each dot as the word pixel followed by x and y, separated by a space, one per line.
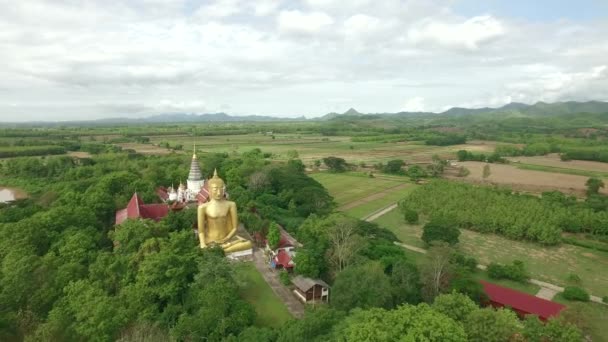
pixel 375 215
pixel 373 197
pixel 294 306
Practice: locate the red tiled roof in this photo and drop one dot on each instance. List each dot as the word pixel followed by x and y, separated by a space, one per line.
pixel 284 259
pixel 521 302
pixel 203 195
pixel 162 193
pixel 137 209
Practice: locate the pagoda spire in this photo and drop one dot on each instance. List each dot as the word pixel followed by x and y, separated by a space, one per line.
pixel 195 170
pixel 194 151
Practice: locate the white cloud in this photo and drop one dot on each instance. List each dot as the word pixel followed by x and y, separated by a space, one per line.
pixel 100 58
pixel 298 22
pixel 415 104
pixel 469 34
pixel 266 7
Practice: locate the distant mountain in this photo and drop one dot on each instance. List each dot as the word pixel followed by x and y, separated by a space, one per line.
pixel 162 118
pixel 350 112
pixel 511 109
pixel 514 109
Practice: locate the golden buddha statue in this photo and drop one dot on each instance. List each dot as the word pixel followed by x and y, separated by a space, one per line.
pixel 218 220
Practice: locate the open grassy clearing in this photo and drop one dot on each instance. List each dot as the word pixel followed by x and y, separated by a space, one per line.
pixel 389 198
pixel 526 180
pixel 551 264
pixel 352 186
pixel 271 312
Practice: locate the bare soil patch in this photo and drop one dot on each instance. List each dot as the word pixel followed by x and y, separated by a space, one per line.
pixel 554 160
pixel 525 180
pixel 146 148
pixel 79 154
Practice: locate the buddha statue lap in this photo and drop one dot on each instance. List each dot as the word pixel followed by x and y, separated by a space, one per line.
pixel 218 220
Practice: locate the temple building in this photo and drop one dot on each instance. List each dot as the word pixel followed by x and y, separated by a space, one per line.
pixel 195 189
pixel 136 208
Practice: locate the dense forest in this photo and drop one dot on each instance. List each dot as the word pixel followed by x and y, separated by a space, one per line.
pixel 67 274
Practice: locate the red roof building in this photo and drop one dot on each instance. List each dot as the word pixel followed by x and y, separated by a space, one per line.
pixel 136 208
pixel 522 303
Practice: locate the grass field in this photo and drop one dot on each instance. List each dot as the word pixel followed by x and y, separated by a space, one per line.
pixel 551 264
pixel 271 312
pixel 359 195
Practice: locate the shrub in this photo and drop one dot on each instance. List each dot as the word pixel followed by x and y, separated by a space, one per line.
pixel 284 277
pixel 605 299
pixel 469 263
pixel 516 271
pixel 573 279
pixel 576 293
pixel 410 216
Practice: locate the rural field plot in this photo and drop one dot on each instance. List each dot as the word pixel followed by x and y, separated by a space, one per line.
pixel 358 195
pixel 311 147
pixel 551 264
pixel 553 160
pixel 526 180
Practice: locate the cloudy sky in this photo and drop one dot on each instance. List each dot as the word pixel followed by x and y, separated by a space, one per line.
pixel 72 59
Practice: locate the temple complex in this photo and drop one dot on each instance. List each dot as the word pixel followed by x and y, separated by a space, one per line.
pixel 194 193
pixel 195 189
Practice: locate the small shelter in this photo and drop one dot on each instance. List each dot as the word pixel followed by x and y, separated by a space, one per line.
pixel 309 290
pixel 522 303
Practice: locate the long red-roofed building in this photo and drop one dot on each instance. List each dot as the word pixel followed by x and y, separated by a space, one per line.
pixel 522 303
pixel 136 208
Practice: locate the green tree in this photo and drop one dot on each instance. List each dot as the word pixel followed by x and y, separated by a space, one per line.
pixel 292 154
pixel 410 216
pixel 593 186
pixel 415 172
pixel 394 166
pixel 440 230
pixel 486 171
pixel 405 282
pixel 316 325
pixel 455 305
pixel 406 323
pixel 274 235
pixel 555 330
pixel 489 325
pixel 361 286
pixel 436 270
pixel 335 164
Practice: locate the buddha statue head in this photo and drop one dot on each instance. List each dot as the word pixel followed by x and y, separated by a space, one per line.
pixel 216 186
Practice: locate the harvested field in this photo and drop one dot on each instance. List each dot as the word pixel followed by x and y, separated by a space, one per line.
pixel 553 160
pixel 79 154
pixel 523 180
pixel 146 148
